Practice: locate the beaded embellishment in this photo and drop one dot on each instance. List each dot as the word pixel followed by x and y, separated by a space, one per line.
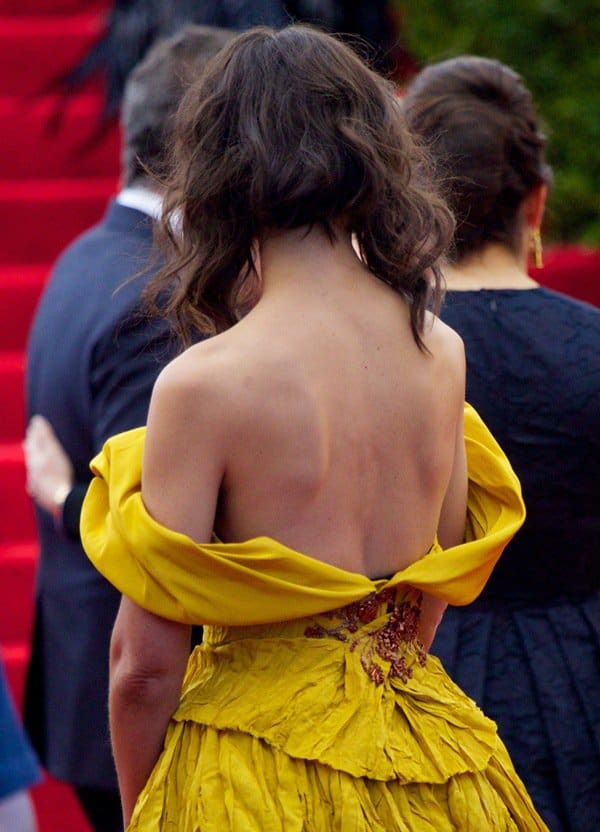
pixel 391 643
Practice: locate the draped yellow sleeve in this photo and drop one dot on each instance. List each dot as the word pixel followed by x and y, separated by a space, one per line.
pixel 261 581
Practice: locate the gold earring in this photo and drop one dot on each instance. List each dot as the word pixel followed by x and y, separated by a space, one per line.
pixel 536 246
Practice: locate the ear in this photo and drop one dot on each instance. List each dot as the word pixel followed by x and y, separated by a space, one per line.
pixel 534 204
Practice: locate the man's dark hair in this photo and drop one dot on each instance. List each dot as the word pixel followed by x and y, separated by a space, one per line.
pixel 153 92
pixel 478 119
pixel 287 129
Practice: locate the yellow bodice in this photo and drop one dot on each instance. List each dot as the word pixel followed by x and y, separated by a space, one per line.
pixel 261 581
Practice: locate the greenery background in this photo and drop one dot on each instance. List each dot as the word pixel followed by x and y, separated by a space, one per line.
pixel 555 46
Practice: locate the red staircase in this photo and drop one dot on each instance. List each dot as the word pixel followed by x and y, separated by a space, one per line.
pixel 53 185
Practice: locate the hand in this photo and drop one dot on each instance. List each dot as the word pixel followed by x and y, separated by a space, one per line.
pixel 50 475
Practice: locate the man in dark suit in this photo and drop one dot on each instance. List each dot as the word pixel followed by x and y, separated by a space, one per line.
pixel 93 358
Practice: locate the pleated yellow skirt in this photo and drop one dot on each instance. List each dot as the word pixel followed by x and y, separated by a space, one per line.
pixel 332 723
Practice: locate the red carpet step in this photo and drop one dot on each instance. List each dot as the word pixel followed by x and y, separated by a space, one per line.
pixel 17 576
pixel 15 655
pixel 49 7
pixel 53 185
pixel 574 270
pixel 12 421
pixel 20 289
pixel 16 519
pixel 34 51
pixel 39 217
pixel 72 146
pixel 57 808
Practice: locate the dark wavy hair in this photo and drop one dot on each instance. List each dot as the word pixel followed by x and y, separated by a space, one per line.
pixel 479 121
pixel 287 129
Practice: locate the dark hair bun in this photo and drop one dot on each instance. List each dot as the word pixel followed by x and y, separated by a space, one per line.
pixel 479 121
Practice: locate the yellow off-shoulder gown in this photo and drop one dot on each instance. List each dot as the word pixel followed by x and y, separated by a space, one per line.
pixel 311 706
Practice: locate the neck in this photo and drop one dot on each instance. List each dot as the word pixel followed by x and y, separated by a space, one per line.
pixel 306 260
pixel 493 267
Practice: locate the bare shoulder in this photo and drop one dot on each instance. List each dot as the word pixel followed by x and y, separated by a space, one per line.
pixel 196 366
pixel 196 381
pixel 211 389
pixel 442 335
pixel 188 441
pixel 445 344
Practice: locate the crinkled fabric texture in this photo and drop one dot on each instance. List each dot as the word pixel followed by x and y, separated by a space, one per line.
pixel 241 783
pixel 334 718
pixel 277 732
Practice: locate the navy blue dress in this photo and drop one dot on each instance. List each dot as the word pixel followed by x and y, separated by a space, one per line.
pixel 18 765
pixel 528 650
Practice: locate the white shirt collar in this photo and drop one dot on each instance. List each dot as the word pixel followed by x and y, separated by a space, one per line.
pixel 141 199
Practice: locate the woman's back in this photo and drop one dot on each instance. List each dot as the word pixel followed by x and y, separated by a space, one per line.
pixel 340 433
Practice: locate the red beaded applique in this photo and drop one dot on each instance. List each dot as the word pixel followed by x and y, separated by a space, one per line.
pixel 388 642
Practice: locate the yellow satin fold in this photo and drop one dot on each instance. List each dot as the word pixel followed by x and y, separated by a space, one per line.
pixel 179 579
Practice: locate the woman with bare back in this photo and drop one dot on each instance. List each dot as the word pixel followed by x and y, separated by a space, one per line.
pixel 310 485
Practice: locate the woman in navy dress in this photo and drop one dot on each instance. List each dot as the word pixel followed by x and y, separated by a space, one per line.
pixel 528 651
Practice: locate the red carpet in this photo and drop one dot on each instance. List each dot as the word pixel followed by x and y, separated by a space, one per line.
pixel 50 190
pixel 574 270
